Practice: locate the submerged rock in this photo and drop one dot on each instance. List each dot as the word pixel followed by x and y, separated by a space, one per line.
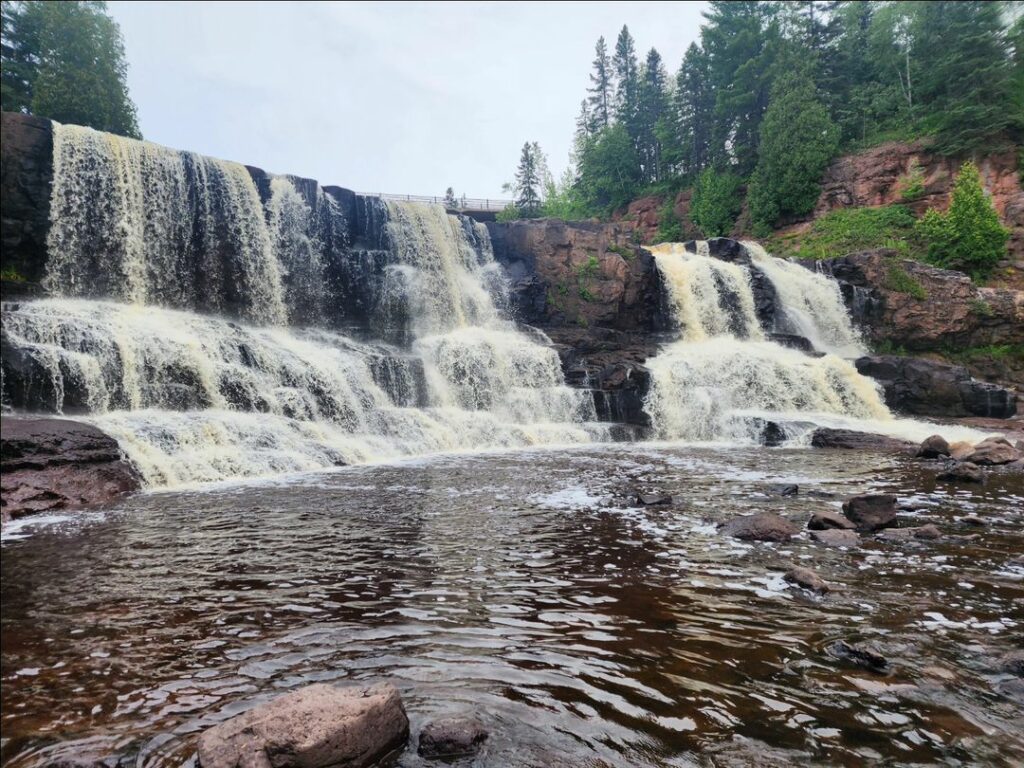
pixel 860 655
pixel 1012 663
pixel 871 511
pixel 808 579
pixel 312 727
pixel 925 532
pixel 765 526
pixel 834 537
pixel 962 472
pixel 786 490
pixel 452 737
pixel 821 521
pixel 933 447
pixel 653 499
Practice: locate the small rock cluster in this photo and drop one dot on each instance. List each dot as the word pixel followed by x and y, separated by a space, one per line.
pixel 963 462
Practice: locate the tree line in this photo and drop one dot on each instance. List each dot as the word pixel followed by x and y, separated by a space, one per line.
pixel 65 61
pixel 772 91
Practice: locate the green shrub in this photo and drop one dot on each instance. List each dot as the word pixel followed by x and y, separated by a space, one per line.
pixel 847 230
pixel 901 281
pixel 670 228
pixel 968 237
pixel 911 186
pixel 11 274
pixel 716 203
pixel 508 213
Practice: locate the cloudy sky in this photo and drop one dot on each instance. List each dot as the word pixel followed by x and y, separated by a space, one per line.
pixel 389 97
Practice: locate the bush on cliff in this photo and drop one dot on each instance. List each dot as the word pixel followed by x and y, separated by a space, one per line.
pixel 846 230
pixel 716 202
pixel 968 237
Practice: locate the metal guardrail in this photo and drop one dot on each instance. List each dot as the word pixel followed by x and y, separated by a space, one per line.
pixel 461 203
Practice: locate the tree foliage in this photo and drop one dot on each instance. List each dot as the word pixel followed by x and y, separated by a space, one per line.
pixel 798 139
pixel 968 236
pixel 716 202
pixel 65 61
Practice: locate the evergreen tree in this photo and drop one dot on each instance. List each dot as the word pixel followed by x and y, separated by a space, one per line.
pixel 66 61
pixel 968 236
pixel 798 139
pixel 599 101
pixel 652 107
pixel 965 72
pixel 450 201
pixel 694 107
pixel 716 203
pixel 609 170
pixel 627 82
pixel 528 180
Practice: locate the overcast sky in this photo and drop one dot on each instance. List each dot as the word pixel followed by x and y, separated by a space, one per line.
pixel 389 97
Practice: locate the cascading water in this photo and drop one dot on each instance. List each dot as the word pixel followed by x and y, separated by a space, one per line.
pixel 138 229
pixel 723 375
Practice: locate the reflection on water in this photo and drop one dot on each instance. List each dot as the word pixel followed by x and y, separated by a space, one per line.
pixel 527 588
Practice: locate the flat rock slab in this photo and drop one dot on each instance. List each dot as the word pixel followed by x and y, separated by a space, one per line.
pixel 765 526
pixel 924 533
pixel 851 440
pixel 318 726
pixel 871 511
pixel 961 472
pixel 452 737
pixel 834 537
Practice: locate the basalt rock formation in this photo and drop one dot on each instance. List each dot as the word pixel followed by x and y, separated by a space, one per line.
pixel 51 465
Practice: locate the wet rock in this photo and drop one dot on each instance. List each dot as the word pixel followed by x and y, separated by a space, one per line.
pixel 960 450
pixel 824 520
pixel 961 472
pixel 1012 663
pixel 833 537
pixel 825 437
pixel 764 526
pixel 924 532
pixel 808 579
pixel 653 499
pixel 57 464
pixel 974 520
pixel 993 451
pixel 928 388
pixel 871 511
pixel 312 727
pixel 792 341
pixel 772 435
pixel 858 654
pixel 786 490
pixel 933 447
pixel 452 737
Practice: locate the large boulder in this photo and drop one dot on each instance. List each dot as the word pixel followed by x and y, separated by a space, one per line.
pixel 871 511
pixel 318 726
pixel 928 388
pixel 58 464
pixel 849 439
pixel 764 526
pixel 933 447
pixel 994 451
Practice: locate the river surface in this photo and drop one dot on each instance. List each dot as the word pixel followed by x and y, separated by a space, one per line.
pixel 527 588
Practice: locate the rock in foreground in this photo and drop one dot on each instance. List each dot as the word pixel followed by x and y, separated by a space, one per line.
pixel 58 464
pixel 451 737
pixel 808 579
pixel 871 511
pixel 765 526
pixel 318 726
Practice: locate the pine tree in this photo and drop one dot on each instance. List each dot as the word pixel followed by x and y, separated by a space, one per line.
pixel 627 82
pixel 652 107
pixel 798 139
pixel 66 61
pixel 965 72
pixel 694 107
pixel 609 170
pixel 600 99
pixel 528 182
pixel 451 202
pixel 968 236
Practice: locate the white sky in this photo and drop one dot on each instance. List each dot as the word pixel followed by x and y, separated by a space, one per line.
pixel 379 97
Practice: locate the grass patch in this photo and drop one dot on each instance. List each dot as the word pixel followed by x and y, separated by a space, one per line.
pixel 626 253
pixel 851 229
pixel 899 280
pixel 994 351
pixel 11 274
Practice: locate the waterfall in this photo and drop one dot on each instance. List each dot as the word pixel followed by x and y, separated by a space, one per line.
pixel 722 377
pixel 191 309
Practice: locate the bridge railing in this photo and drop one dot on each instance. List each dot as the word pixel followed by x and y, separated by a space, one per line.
pixel 461 203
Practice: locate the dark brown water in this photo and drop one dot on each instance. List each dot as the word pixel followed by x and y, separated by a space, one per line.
pixel 526 588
